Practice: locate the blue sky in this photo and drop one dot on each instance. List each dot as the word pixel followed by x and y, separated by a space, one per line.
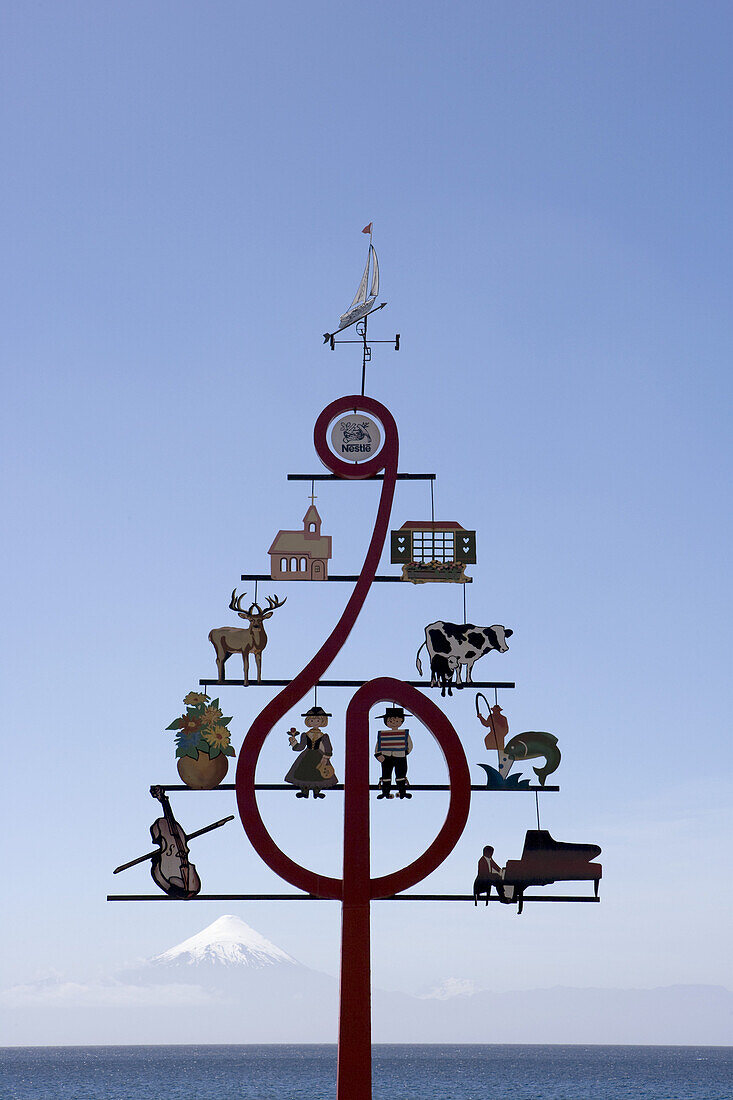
pixel 550 191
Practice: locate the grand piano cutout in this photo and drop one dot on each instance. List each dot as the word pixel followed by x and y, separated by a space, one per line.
pixel 543 862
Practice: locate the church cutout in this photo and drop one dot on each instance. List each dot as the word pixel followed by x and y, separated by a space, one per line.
pixel 301 555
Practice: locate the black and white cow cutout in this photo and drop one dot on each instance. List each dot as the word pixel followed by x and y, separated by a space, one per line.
pixel 457 644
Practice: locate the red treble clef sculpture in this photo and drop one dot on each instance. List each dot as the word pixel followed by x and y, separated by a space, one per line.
pixel 356 889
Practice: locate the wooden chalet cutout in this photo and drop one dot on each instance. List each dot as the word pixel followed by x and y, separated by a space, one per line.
pixel 431 551
pixel 301 555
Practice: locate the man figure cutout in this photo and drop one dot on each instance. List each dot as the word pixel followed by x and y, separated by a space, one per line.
pixel 391 750
pixel 498 727
pixel 489 874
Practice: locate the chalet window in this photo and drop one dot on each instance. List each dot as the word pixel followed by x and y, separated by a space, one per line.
pixel 283 565
pixel 303 565
pixel 293 565
pixel 433 546
pixel 311 526
pixel 425 544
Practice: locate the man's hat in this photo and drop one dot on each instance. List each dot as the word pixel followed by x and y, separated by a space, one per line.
pixel 316 712
pixel 393 712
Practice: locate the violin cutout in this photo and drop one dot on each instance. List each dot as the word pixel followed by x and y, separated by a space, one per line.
pixel 171 868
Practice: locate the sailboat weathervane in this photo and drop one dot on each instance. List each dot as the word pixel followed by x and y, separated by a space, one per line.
pixel 361 308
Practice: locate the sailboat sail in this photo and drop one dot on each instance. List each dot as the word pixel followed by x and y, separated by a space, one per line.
pixel 362 304
pixel 374 289
pixel 360 296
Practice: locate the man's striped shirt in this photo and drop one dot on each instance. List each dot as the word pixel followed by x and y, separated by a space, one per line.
pixel 392 742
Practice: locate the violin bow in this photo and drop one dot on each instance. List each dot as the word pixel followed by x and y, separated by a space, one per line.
pixel 189 836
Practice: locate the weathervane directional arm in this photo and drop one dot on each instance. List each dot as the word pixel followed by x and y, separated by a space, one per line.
pixel 330 337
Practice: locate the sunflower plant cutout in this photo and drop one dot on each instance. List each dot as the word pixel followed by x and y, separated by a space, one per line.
pixel 202 728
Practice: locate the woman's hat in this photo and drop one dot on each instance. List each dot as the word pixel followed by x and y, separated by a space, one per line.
pixel 316 712
pixel 393 712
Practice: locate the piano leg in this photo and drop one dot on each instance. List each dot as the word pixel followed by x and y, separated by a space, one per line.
pixel 595 886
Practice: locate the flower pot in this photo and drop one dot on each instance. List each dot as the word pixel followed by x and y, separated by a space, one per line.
pixel 203 774
pixel 427 572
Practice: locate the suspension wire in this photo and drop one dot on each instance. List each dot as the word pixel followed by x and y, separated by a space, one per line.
pixel 432 508
pixel 465 616
pixel 255 591
pixel 537 804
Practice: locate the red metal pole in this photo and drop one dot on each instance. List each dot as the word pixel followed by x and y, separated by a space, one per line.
pixel 354 1075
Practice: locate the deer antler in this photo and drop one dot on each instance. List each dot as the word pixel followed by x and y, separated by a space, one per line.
pixel 235 604
pixel 273 604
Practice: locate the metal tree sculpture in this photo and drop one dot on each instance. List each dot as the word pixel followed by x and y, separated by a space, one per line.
pixel 356 888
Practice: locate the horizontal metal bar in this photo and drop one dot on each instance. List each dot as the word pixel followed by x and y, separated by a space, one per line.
pixel 353 683
pixel 469 897
pixel 338 577
pixel 218 897
pixel 312 897
pixel 374 477
pixel 372 787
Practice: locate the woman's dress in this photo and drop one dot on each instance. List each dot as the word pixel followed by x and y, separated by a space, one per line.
pixel 305 771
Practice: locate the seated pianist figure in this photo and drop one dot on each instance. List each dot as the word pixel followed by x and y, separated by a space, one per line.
pixel 543 862
pixel 490 874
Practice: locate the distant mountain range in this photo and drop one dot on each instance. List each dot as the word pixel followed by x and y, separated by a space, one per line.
pixel 229 984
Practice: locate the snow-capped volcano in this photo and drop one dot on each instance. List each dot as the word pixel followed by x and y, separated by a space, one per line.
pixel 229 941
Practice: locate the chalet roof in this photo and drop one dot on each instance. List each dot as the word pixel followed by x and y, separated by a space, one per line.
pixel 429 525
pixel 298 542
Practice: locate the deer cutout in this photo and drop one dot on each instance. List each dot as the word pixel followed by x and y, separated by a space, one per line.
pixel 236 639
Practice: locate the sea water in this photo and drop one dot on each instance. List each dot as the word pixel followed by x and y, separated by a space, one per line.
pixel 399 1073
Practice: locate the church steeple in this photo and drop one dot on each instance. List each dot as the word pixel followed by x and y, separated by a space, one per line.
pixel 312 523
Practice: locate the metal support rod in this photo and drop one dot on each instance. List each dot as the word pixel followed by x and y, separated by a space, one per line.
pixel 372 477
pixel 372 787
pixel 339 577
pixel 345 683
pixel 580 898
pixel 363 335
